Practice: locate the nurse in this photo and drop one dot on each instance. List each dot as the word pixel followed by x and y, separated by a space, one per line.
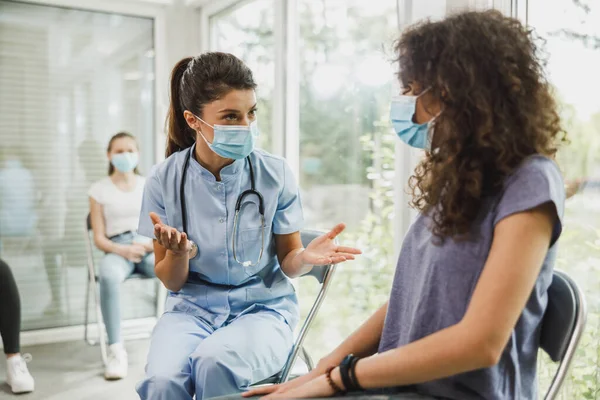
pixel 226 219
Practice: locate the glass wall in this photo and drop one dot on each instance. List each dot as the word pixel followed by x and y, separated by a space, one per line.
pixel 347 151
pixel 571 32
pixel 70 79
pixel 349 157
pixel 346 146
pixel 247 32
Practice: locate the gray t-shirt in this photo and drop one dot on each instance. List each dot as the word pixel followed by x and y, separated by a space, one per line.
pixel 434 283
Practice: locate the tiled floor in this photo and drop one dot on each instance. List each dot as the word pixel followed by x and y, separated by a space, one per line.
pixel 73 371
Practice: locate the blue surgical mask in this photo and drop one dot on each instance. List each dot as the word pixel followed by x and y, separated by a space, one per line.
pixel 125 162
pixel 232 141
pixel 401 115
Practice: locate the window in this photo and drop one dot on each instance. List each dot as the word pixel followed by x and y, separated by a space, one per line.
pixel 70 80
pixel 348 156
pixel 571 30
pixel 247 32
pixel 347 152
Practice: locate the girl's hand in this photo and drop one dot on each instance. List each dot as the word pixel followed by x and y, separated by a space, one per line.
pixel 319 370
pixel 318 387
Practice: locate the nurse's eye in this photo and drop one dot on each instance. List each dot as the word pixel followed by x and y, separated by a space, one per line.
pixel 230 117
pixel 252 113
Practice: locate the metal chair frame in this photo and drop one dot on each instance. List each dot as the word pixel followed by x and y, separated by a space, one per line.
pixel 566 308
pixel 93 288
pixel 324 275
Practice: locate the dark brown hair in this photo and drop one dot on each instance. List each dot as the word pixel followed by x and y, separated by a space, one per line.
pixel 198 81
pixel 497 109
pixel 119 135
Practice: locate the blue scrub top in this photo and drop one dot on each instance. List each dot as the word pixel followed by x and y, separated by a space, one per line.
pixel 219 289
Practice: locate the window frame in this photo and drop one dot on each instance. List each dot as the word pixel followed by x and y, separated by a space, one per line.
pixel 285 119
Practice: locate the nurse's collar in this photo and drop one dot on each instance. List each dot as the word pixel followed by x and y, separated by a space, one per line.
pixel 227 172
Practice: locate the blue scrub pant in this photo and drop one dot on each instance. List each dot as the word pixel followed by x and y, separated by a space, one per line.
pixel 187 356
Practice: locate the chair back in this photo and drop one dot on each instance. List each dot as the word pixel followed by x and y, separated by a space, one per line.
pixel 562 326
pixel 89 247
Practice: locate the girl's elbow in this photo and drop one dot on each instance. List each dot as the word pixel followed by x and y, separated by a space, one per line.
pixel 489 355
pixel 484 349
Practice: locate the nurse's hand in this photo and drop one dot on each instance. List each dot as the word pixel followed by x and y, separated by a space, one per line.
pixel 169 237
pixel 323 250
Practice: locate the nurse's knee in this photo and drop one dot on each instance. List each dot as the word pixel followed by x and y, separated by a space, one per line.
pixel 208 359
pixel 162 385
pixel 212 364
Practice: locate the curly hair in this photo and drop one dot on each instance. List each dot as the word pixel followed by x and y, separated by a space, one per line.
pixel 497 109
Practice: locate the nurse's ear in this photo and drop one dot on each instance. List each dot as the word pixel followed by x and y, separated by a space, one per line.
pixel 192 121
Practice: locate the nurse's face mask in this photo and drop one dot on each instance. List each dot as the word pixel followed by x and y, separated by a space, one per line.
pixel 232 141
pixel 402 113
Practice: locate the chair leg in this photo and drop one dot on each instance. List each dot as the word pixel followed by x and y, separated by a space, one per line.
pixel 306 358
pixel 100 325
pixel 65 274
pixel 86 321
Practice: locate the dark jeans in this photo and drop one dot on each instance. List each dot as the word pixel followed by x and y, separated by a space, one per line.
pixel 10 310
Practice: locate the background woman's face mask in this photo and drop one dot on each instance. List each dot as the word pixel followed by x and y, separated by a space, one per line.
pixel 125 162
pixel 402 112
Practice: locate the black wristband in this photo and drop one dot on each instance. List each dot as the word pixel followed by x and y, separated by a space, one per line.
pixel 355 385
pixel 345 372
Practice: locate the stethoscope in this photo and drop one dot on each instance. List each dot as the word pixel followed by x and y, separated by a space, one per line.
pixel 238 207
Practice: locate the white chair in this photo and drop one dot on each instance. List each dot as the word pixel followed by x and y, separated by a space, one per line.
pixel 93 289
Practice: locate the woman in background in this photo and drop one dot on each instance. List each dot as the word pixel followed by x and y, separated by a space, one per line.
pixel 115 203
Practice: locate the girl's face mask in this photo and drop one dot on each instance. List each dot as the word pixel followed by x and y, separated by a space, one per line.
pixel 402 112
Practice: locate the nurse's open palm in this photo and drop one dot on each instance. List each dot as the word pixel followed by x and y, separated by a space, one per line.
pixel 169 237
pixel 323 250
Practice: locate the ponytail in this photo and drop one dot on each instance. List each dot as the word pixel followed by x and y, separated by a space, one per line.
pixel 180 135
